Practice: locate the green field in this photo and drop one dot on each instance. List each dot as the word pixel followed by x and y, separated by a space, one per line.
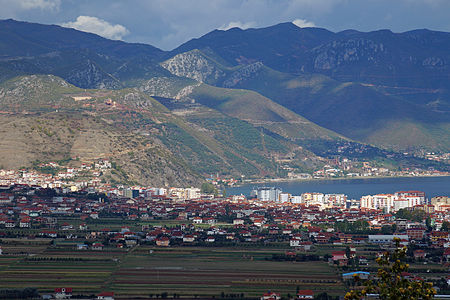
pixel 147 271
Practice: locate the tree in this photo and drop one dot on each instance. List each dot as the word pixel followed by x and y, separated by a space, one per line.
pixel 391 283
pixel 445 226
pixel 209 188
pixel 428 224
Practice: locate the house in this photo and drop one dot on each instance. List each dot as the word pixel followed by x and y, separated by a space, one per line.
pixel 188 238
pixel 415 233
pixel 130 242
pixel 305 246
pixel 295 242
pixel 211 221
pixel 305 294
pixel 345 238
pixel 163 241
pixel 339 257
pixel 287 230
pixel 324 237
pixel 419 254
pixel 25 222
pixel 197 220
pixel 97 246
pixel 238 222
pixel 152 235
pixel 66 226
pixel 63 293
pixel 82 247
pixel 106 296
pixel 439 236
pixel 10 224
pixel 271 296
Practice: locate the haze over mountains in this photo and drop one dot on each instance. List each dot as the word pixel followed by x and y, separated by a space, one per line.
pixel 234 101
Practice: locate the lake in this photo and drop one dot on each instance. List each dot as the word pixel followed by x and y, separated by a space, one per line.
pixel 355 188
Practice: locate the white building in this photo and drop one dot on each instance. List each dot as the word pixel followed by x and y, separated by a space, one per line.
pixel 393 202
pixel 296 199
pixel 192 193
pixel 335 200
pixel 284 197
pixel 266 194
pixel 380 201
pixel 386 238
pixel 314 199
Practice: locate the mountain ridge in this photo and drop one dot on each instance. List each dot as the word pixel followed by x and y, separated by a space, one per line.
pixel 235 101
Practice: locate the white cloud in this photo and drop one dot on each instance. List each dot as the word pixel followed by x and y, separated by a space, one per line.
pixel 98 26
pixel 237 24
pixel 303 23
pixel 41 4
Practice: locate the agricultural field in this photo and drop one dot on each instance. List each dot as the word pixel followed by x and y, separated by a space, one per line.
pixel 204 271
pixel 147 272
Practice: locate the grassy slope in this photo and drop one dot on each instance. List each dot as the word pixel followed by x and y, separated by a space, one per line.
pixel 260 111
pixel 356 111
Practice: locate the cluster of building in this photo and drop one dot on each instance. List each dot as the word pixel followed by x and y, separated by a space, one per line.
pixel 323 201
pixel 57 176
pixel 441 157
pixel 245 220
pixel 345 168
pixel 385 202
pixel 204 220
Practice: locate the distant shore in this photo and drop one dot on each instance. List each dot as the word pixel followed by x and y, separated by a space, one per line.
pixel 275 180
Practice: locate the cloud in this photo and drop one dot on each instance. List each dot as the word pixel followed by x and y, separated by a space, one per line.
pixel 98 26
pixel 237 24
pixel 303 23
pixel 41 4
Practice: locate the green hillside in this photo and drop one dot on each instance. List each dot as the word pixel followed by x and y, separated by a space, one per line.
pixel 260 111
pixel 356 111
pixel 361 112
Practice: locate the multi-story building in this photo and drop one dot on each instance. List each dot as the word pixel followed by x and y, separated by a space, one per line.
pixel 381 201
pixel 267 194
pixel 335 200
pixel 313 199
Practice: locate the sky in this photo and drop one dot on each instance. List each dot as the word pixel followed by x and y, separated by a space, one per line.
pixel 167 24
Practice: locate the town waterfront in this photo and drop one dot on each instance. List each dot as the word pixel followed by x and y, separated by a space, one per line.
pixel 355 188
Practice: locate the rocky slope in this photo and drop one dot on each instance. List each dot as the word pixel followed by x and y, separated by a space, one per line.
pixel 232 102
pixel 47 119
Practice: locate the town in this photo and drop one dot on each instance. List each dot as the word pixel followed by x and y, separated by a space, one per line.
pixel 347 235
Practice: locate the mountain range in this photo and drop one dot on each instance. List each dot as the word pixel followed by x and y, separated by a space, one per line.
pixel 230 102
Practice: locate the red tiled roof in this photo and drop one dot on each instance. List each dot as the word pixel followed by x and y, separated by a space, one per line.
pixel 305 293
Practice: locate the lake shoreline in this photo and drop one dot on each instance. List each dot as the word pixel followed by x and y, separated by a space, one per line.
pixel 263 181
pixel 354 188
